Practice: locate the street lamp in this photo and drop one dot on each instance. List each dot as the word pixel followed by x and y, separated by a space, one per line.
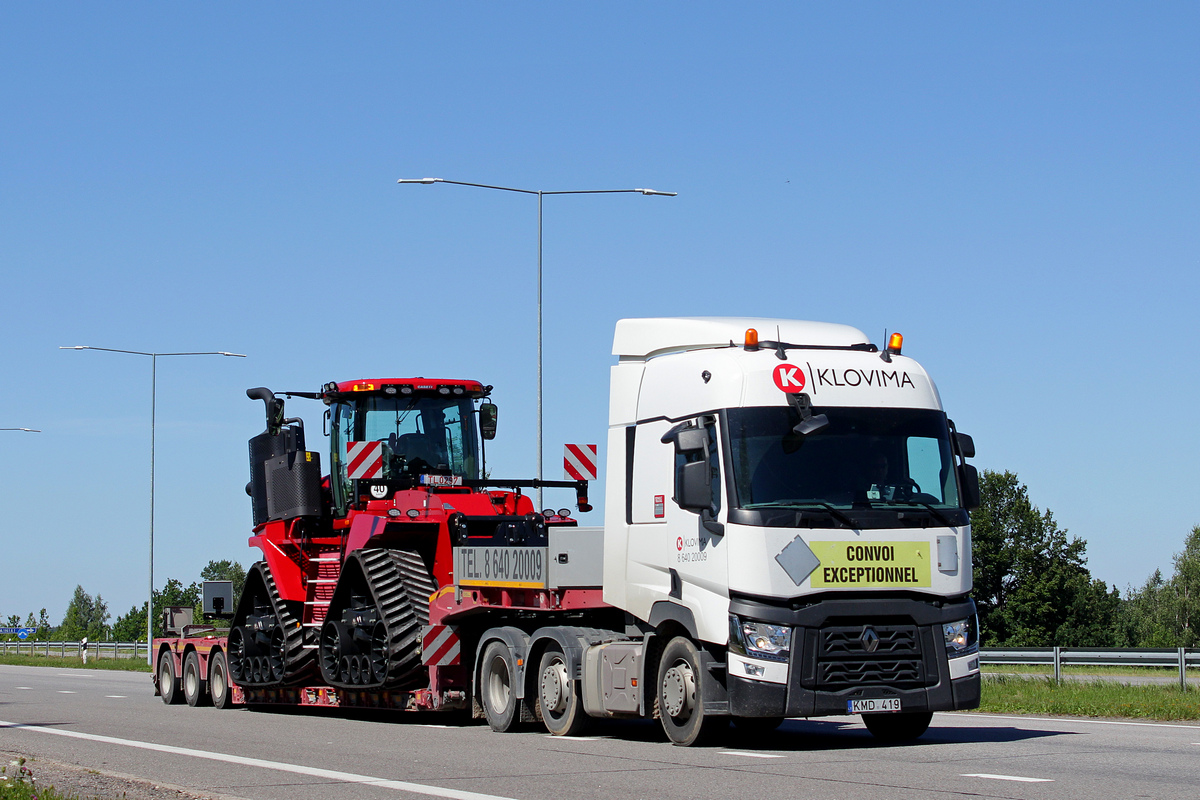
pixel 540 194
pixel 27 430
pixel 153 402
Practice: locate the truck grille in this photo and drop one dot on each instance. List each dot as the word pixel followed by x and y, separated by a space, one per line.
pixel 844 657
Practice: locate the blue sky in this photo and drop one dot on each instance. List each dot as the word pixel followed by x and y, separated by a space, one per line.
pixel 1011 186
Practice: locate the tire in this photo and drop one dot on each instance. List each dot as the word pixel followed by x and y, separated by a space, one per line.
pixel 195 686
pixel 559 703
pixel 497 688
pixel 897 727
pixel 679 696
pixel 219 689
pixel 168 681
pixel 757 726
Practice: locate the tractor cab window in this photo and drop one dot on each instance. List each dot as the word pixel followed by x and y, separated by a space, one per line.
pixel 419 435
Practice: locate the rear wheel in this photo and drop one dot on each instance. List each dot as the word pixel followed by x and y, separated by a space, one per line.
pixel 218 681
pixel 496 688
pixel 559 702
pixel 195 689
pixel 679 697
pixel 897 727
pixel 168 681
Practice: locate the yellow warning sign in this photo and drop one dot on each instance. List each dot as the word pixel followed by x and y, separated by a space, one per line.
pixel 855 565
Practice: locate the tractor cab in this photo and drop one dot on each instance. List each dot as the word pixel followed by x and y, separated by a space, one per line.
pixel 394 434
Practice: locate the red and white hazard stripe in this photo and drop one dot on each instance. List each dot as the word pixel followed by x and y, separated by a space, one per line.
pixel 364 460
pixel 440 646
pixel 579 462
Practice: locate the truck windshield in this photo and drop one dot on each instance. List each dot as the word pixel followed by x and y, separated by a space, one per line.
pixel 866 458
pixel 420 435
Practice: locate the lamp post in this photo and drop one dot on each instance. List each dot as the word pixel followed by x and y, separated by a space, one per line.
pixel 27 430
pixel 540 194
pixel 153 412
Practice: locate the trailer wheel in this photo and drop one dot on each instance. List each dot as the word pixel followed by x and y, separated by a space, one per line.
pixel 679 697
pixel 496 688
pixel 195 688
pixel 218 681
pixel 168 681
pixel 897 727
pixel 559 703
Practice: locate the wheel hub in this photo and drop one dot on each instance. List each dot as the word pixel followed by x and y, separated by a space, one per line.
pixel 679 690
pixel 554 687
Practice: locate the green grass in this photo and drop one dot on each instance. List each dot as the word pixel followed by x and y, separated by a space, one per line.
pixel 122 664
pixel 18 782
pixel 1011 694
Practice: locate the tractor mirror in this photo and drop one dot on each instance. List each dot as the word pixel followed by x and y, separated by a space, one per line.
pixel 487 420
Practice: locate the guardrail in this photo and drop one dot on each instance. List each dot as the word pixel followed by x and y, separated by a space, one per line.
pixel 1059 657
pixel 61 649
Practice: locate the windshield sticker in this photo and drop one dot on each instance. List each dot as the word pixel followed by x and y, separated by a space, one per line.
pixel 873 565
pixel 789 378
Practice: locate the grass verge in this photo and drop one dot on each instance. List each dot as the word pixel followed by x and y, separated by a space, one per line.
pixel 74 662
pixel 1011 694
pixel 17 782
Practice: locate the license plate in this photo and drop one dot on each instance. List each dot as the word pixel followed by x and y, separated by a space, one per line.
pixel 441 480
pixel 873 706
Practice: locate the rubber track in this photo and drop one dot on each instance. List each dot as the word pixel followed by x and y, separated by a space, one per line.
pixel 297 667
pixel 400 587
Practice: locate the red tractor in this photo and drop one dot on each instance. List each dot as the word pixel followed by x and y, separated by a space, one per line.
pixel 359 564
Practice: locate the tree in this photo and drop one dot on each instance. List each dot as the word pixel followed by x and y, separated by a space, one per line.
pixel 1032 585
pixel 131 627
pixel 1166 613
pixel 86 616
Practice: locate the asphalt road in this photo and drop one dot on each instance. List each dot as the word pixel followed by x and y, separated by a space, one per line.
pixel 112 722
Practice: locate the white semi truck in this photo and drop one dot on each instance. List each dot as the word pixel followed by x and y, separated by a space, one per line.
pixel 786 534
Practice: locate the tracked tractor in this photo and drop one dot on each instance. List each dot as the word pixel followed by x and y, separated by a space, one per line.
pixel 352 560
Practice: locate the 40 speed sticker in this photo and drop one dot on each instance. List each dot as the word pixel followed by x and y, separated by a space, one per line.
pixel 852 565
pixel 507 567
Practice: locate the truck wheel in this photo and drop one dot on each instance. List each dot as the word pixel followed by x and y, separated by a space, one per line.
pixel 496 688
pixel 195 688
pixel 679 699
pixel 897 727
pixel 168 681
pixel 218 681
pixel 559 703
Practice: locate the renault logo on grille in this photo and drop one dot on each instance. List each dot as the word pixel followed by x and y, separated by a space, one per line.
pixel 869 639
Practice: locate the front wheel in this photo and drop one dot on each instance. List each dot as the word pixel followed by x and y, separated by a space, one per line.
pixel 168 681
pixel 897 727
pixel 559 703
pixel 679 698
pixel 496 688
pixel 195 690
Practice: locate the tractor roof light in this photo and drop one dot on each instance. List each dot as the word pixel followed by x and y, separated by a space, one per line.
pixel 389 389
pixel 564 512
pixel 751 339
pixel 459 390
pixel 894 345
pixel 443 390
pixel 406 389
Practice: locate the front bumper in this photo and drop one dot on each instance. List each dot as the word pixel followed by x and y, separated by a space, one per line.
pixel 829 665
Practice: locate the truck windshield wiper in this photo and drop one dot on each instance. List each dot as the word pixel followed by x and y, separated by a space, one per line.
pixel 833 512
pixel 942 518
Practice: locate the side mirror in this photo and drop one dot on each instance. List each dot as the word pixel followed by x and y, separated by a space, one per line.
pixel 686 439
pixel 966 445
pixel 487 420
pixel 693 490
pixel 968 486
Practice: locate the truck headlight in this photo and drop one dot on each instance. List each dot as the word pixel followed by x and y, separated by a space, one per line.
pixel 962 637
pixel 759 639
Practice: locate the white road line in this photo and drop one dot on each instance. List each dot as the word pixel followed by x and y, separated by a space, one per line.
pixel 315 772
pixel 1017 778
pixel 117 696
pixel 66 691
pixel 27 688
pixel 572 738
pixel 1072 720
pixel 749 755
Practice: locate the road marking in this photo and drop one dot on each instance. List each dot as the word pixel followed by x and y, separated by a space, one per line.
pixel 572 738
pixel 1073 719
pixel 749 755
pixel 66 691
pixel 1017 778
pixel 27 688
pixel 117 696
pixel 314 772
